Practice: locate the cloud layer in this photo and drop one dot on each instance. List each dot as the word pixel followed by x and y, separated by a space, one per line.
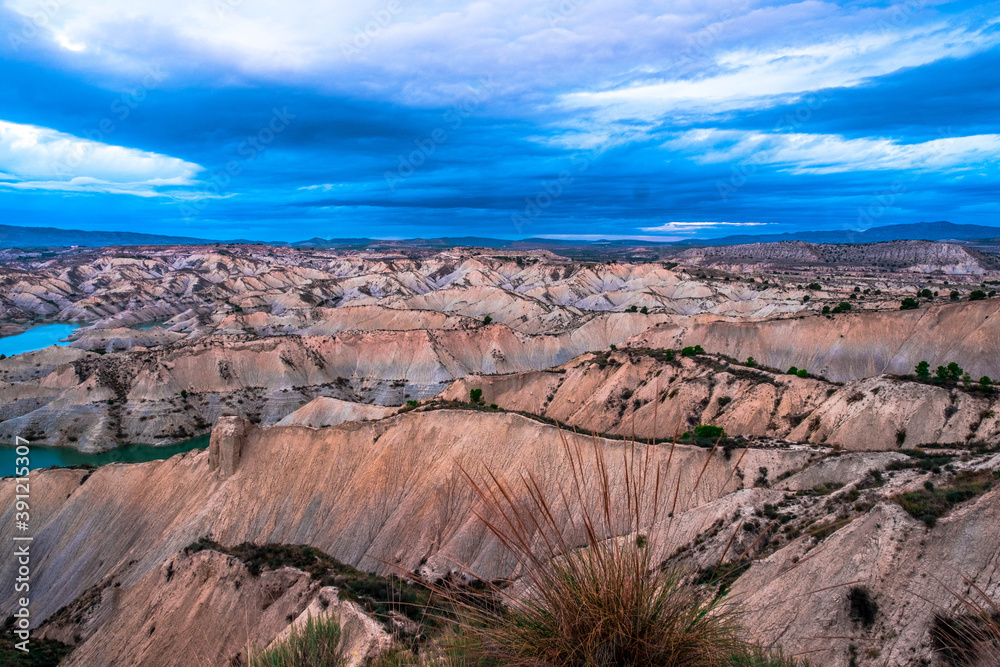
pixel 571 118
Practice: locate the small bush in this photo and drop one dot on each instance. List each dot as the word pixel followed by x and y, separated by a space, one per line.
pixel 476 395
pixel 692 350
pixel 315 645
pixel 751 362
pixel 977 295
pixel 487 320
pixel 863 607
pixel 709 431
pixel 802 373
pixel 955 296
pixel 923 371
pixel 929 504
pixel 909 303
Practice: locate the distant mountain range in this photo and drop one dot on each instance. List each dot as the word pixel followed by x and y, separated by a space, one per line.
pixel 50 237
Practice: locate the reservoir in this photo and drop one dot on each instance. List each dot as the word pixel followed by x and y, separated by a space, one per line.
pixel 62 457
pixel 36 338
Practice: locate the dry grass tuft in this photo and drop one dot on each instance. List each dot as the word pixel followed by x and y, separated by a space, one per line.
pixel 587 596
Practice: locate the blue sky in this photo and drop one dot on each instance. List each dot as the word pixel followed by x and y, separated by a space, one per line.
pixel 565 118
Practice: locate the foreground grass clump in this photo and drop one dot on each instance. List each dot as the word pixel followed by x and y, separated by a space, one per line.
pixel 590 596
pixel 972 637
pixel 315 645
pixel 931 503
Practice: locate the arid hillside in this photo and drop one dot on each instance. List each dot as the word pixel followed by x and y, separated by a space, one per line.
pixel 390 496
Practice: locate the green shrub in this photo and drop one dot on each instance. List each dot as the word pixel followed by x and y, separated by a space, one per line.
pixel 929 504
pixel 487 320
pixel 977 295
pixel 955 295
pixel 985 383
pixel 926 293
pixel 751 362
pixel 644 310
pixel 802 373
pixel 826 310
pixel 793 370
pixel 476 395
pixel 709 431
pixel 315 645
pixel 909 303
pixel 841 307
pixel 923 370
pixel 692 350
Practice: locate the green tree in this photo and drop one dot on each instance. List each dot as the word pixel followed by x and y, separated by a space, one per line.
pixel 487 320
pixel 909 303
pixel 941 374
pixel 692 350
pixel 803 373
pixel 927 294
pixel 977 295
pixel 841 307
pixel 805 299
pixel 184 393
pixel 826 310
pixel 923 371
pixel 476 395
pixel 814 286
pixel 793 371
pixel 644 310
pixel 985 383
pixel 954 371
pixel 709 431
pixel 954 295
pixel 751 362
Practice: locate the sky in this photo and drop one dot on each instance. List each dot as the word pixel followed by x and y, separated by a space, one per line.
pixel 666 120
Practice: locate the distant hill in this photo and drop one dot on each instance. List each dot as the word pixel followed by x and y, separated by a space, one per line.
pixel 919 231
pixel 50 237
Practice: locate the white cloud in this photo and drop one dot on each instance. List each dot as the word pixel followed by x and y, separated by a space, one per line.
pixel 760 77
pixel 830 153
pixel 697 226
pixel 39 158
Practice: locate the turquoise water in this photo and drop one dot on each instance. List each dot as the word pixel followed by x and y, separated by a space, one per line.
pixel 62 457
pixel 36 338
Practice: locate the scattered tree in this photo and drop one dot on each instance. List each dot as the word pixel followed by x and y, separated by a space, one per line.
pixel 826 310
pixel 986 384
pixel 841 307
pixel 814 286
pixel 805 299
pixel 751 362
pixel 923 371
pixel 692 350
pixel 793 371
pixel 476 396
pixel 909 303
pixel 977 295
pixel 487 320
pixel 184 394
pixel 644 310
pixel 954 371
pixel 709 431
pixel 802 373
pixel 955 295
pixel 927 294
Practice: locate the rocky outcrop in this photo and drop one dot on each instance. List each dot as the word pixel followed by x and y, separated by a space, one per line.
pixel 195 608
pixel 225 448
pixel 636 392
